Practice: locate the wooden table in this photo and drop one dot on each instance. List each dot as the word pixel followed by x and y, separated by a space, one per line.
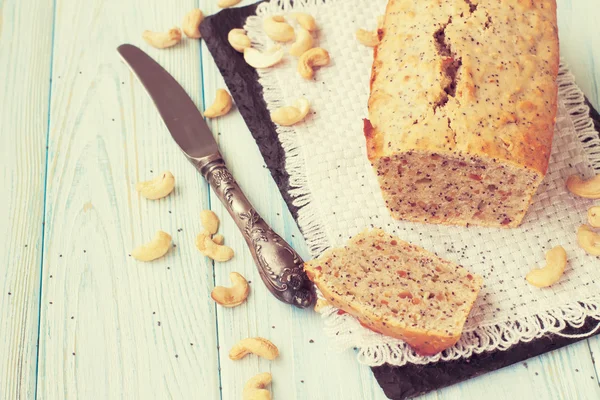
pixel 79 318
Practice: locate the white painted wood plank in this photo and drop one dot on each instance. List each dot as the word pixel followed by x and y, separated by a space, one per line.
pixel 113 327
pixel 307 367
pixel 580 43
pixel 25 56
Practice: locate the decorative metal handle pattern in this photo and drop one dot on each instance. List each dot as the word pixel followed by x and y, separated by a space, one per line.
pixel 279 266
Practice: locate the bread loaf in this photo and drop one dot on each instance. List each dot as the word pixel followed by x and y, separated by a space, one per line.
pixel 462 108
pixel 397 289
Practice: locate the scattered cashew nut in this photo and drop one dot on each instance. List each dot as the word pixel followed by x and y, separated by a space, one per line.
pixel 305 20
pixel 217 252
pixel 162 40
pixel 218 239
pixel 367 38
pixel 209 221
pixel 257 345
pixel 157 188
pixel 227 3
pixel 315 57
pixel 277 29
pixel 191 23
pixel 200 240
pixel 254 389
pixel 221 106
pixel 594 216
pixel 321 304
pixel 266 59
pixel 154 249
pixel 238 39
pixel 304 41
pixel 233 296
pixel 589 189
pixel 588 240
pixel 556 261
pixel 290 115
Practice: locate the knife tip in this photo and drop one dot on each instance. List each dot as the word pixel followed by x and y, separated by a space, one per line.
pixel 124 47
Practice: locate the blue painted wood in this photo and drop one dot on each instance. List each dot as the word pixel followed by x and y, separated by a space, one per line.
pixel 308 368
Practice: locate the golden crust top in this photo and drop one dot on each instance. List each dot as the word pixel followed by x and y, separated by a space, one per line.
pixel 474 77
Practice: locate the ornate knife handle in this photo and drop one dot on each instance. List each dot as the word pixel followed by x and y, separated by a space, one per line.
pixel 279 266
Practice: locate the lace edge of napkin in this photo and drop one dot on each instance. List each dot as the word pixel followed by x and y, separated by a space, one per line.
pixel 375 349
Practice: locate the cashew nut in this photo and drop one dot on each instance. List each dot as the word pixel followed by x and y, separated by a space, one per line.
pixel 200 240
pixel 306 21
pixel 367 38
pixel 290 115
pixel 277 29
pixel 227 3
pixel 304 41
pixel 220 106
pixel 162 40
pixel 154 249
pixel 218 239
pixel 191 23
pixel 254 389
pixel 238 39
pixel 233 296
pixel 157 188
pixel 209 221
pixel 315 57
pixel 589 189
pixel 588 240
pixel 321 304
pixel 380 21
pixel 259 346
pixel 594 217
pixel 266 59
pixel 217 252
pixel 556 261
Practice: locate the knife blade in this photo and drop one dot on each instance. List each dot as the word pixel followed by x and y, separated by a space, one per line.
pixel 177 109
pixel 279 266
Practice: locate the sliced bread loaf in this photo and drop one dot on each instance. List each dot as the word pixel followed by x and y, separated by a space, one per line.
pixel 462 108
pixel 397 289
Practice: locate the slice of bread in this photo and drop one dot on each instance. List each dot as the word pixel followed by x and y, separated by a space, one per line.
pixel 397 289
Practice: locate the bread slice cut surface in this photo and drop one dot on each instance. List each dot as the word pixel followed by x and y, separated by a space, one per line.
pixel 398 289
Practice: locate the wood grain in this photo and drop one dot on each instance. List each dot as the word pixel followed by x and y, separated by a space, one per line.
pixel 112 327
pixel 567 373
pixel 580 44
pixel 115 328
pixel 25 56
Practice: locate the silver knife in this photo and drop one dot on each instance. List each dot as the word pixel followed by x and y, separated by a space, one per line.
pixel 280 267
